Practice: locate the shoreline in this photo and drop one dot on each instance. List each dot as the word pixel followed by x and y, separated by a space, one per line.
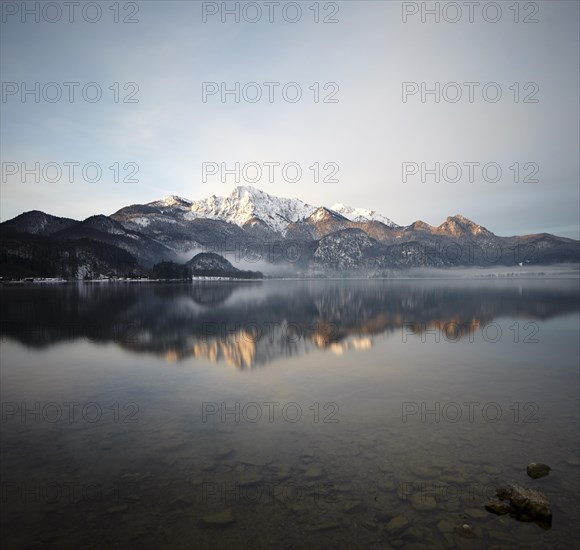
pixel 481 277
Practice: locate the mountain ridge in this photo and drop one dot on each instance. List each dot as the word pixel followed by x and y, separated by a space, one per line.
pixel 344 240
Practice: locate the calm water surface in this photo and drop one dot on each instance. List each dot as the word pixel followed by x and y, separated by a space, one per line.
pixel 287 414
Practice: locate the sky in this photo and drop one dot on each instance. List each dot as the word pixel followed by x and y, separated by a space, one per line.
pixel 360 70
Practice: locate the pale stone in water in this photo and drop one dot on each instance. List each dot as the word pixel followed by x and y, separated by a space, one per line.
pixel 476 513
pixel 466 531
pixel 313 473
pixel 226 517
pixel 386 485
pixel 250 479
pixel 423 503
pixel 397 524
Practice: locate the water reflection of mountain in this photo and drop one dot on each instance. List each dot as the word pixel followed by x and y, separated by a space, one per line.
pixel 252 324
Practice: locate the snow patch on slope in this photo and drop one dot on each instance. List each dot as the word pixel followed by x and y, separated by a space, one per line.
pixel 361 214
pixel 245 204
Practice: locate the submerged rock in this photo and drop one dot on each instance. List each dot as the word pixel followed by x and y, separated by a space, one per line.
pixel 397 524
pixel 313 473
pixel 388 486
pixel 354 507
pixel 475 513
pixel 225 517
pixel 492 470
pixel 250 479
pixel 326 526
pixel 258 462
pixel 423 503
pixel 306 457
pixel 537 470
pixel 498 507
pixel 425 472
pixel 524 505
pixel 466 531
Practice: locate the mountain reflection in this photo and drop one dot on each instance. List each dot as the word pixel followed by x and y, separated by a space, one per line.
pixel 250 324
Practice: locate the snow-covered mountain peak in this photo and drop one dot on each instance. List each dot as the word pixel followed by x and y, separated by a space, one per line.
pixel 361 214
pixel 172 200
pixel 242 191
pixel 246 204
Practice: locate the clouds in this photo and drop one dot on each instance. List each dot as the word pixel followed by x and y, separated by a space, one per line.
pixel 369 132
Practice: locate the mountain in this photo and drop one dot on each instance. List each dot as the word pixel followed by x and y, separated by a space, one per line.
pixel 361 215
pixel 285 237
pixel 204 264
pixel 208 261
pixel 25 255
pixel 208 264
pixel 259 214
pixel 36 222
pixel 250 206
pixel 459 226
pixel 344 250
pixel 103 229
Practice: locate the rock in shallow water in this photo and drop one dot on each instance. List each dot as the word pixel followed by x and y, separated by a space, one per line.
pixel 466 531
pixel 354 507
pixel 313 473
pixel 326 526
pixel 398 524
pixel 498 507
pixel 425 472
pixel 226 517
pixel 476 513
pixel 537 470
pixel 492 470
pixel 423 502
pixel 250 479
pixel 524 504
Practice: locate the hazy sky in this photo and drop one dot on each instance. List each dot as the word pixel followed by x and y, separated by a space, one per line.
pixel 169 131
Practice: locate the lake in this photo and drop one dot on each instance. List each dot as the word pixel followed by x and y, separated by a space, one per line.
pixel 287 414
